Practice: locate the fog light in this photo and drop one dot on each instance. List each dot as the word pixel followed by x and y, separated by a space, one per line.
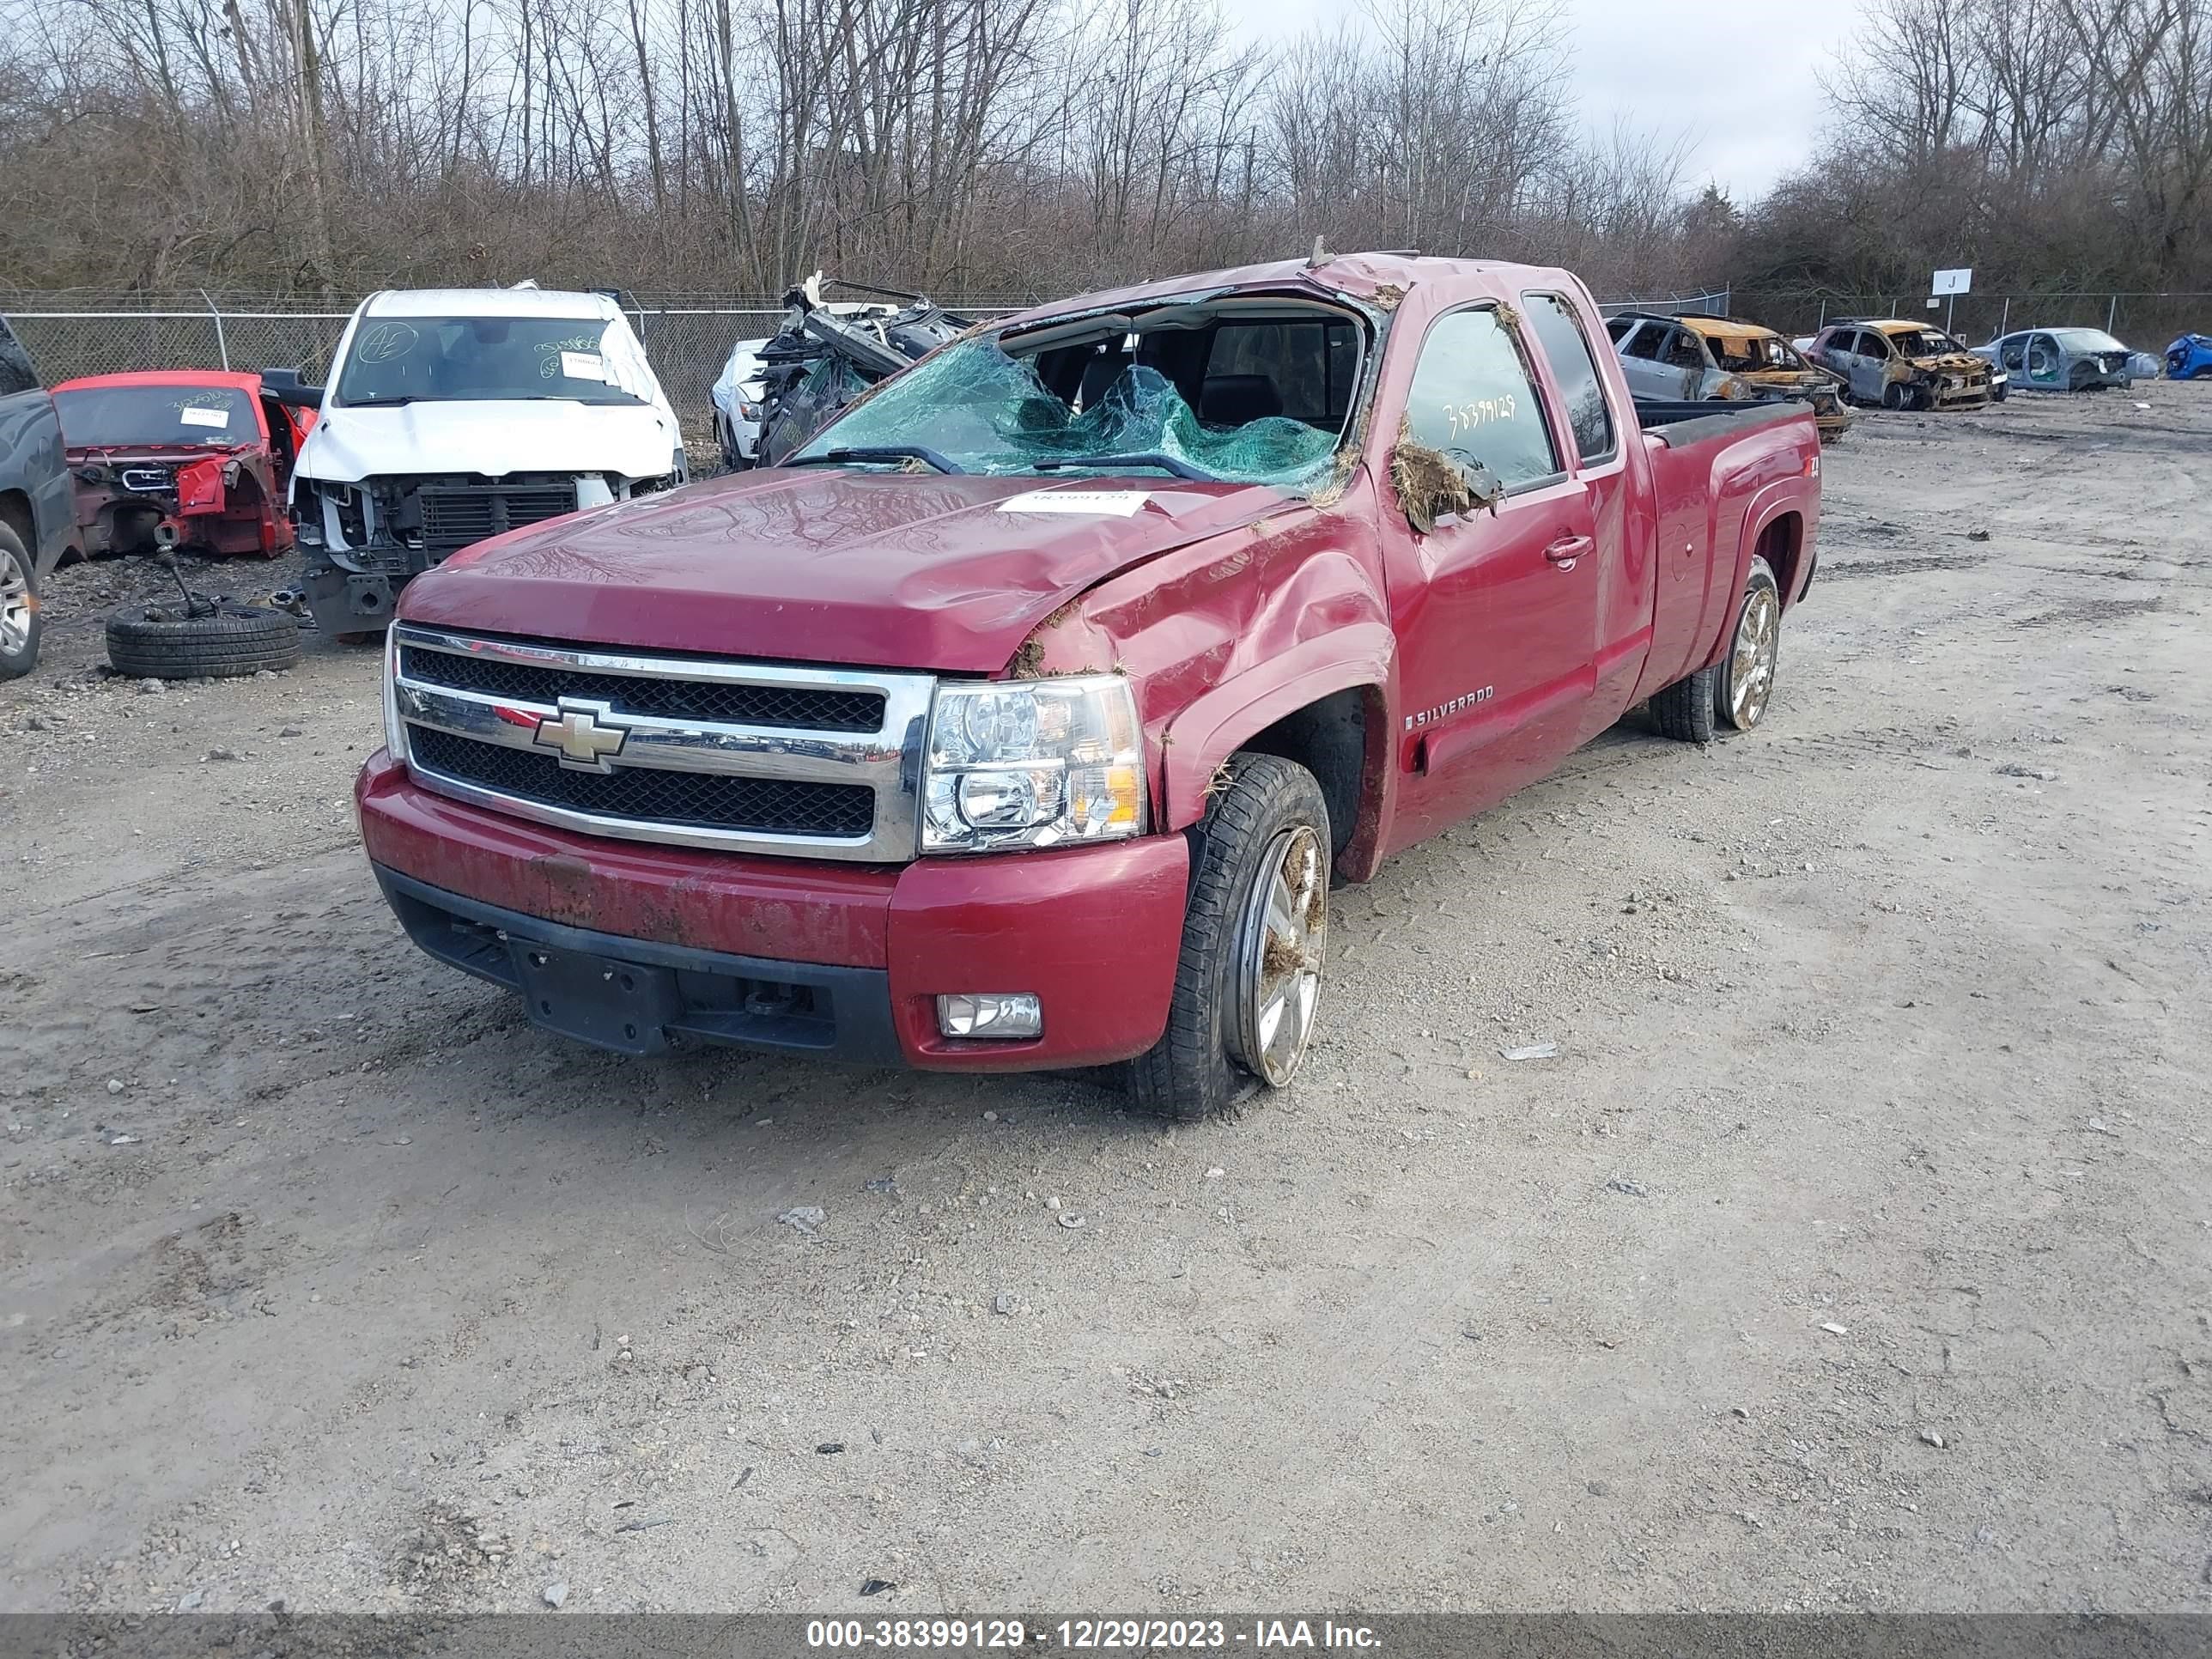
pixel 990 1014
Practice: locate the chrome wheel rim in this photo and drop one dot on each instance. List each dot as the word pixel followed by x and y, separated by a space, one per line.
pixel 15 607
pixel 1282 948
pixel 1751 665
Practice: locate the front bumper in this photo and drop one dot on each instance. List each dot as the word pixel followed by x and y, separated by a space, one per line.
pixel 641 943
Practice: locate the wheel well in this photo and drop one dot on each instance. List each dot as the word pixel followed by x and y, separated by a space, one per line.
pixel 1329 739
pixel 15 514
pixel 1782 544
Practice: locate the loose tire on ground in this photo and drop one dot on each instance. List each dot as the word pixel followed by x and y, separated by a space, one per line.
pixel 158 642
pixel 1744 683
pixel 20 625
pixel 1685 709
pixel 1265 836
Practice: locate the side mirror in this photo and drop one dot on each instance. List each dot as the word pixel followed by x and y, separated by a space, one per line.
pixel 285 385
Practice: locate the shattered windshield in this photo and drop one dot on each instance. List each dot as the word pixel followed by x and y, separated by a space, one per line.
pixel 118 416
pixel 408 359
pixel 974 409
pixel 2087 339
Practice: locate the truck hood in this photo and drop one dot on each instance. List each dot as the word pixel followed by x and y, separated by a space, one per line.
pixel 490 437
pixel 825 565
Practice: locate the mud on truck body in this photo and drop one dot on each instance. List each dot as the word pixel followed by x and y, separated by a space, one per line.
pixel 455 415
pixel 1024 717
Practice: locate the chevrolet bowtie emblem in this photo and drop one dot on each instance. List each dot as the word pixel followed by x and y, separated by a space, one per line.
pixel 583 734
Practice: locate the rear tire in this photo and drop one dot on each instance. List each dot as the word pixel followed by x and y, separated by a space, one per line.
pixel 1685 709
pixel 1254 946
pixel 1744 680
pixel 151 641
pixel 20 622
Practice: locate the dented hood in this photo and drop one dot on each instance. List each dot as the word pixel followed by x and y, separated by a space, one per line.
pixel 490 437
pixel 827 565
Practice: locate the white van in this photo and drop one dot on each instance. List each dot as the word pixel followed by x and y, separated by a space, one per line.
pixel 453 414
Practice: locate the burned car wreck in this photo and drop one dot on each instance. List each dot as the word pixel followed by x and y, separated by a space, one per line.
pixel 184 457
pixel 827 353
pixel 1900 364
pixel 2063 360
pixel 1696 359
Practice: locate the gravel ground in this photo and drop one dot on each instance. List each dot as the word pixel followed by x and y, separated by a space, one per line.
pixel 1850 1254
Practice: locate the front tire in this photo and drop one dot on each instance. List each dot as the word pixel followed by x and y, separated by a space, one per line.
pixel 1254 944
pixel 1744 683
pixel 20 626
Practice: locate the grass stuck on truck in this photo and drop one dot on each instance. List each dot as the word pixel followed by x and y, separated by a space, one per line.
pixel 1022 718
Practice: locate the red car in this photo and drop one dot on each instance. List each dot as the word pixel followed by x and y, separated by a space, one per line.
pixel 194 457
pixel 1023 716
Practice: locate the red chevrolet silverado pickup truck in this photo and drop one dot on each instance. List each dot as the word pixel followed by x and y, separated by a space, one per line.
pixel 1023 716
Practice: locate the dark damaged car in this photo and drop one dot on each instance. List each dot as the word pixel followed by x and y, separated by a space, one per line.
pixel 172 457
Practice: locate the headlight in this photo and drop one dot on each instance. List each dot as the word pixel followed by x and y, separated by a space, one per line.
pixel 395 729
pixel 1032 764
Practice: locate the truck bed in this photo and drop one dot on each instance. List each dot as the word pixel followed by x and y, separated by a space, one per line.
pixel 1675 421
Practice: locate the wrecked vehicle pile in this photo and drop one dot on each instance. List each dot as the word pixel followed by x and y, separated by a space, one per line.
pixel 1900 364
pixel 172 457
pixel 1697 358
pixel 827 353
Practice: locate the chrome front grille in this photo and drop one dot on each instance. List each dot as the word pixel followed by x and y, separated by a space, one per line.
pixel 812 762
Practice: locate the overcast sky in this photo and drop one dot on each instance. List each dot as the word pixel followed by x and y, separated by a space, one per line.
pixel 1748 67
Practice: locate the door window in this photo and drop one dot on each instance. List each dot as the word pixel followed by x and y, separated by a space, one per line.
pixel 1649 337
pixel 1561 336
pixel 1472 396
pixel 17 373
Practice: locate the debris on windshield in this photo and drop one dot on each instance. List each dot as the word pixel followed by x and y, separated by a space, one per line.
pixel 828 354
pixel 1432 485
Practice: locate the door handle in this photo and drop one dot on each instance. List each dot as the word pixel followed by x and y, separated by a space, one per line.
pixel 1564 552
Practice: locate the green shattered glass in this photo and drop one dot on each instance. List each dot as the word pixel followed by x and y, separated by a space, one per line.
pixel 990 413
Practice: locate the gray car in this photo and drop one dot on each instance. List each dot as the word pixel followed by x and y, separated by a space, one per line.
pixel 2060 359
pixel 37 503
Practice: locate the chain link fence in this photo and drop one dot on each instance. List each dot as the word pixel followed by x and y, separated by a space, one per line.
pixel 2146 321
pixel 688 337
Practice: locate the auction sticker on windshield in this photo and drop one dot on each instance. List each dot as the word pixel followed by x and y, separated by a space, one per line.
pixel 1117 503
pixel 582 365
pixel 214 417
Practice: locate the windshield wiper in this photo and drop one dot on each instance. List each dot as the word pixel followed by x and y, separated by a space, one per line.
pixel 1181 468
pixel 875 453
pixel 382 403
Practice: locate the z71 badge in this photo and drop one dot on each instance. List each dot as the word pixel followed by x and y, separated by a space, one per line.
pixel 1431 716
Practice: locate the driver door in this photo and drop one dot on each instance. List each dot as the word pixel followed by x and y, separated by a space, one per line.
pixel 1498 605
